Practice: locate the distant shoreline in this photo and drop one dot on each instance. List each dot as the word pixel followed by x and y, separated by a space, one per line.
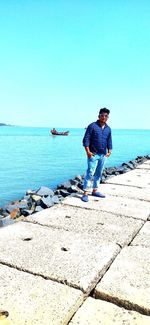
pixel 4 124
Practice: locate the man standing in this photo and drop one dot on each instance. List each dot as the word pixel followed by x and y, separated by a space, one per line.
pixel 98 145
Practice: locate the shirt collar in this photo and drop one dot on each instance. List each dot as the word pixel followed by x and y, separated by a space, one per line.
pixel 97 122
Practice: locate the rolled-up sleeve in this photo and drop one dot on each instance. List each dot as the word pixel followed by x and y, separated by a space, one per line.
pixel 109 141
pixel 87 136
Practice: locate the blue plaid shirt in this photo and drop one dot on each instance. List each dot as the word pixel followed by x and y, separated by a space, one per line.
pixel 98 139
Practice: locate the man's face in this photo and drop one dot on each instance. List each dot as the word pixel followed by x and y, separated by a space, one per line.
pixel 103 117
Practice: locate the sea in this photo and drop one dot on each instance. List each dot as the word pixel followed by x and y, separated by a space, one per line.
pixel 30 157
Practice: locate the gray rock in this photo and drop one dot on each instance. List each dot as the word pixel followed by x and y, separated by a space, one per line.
pixel 30 192
pixel 120 169
pixel 73 189
pixel 36 199
pixel 110 170
pixel 45 191
pixel 55 199
pixel 128 165
pixel 57 192
pixel 79 178
pixel 6 221
pixel 38 208
pixel 46 202
pixel 65 185
pixel 20 205
pixel 27 212
pixel 103 179
pixel 74 182
pixel 64 193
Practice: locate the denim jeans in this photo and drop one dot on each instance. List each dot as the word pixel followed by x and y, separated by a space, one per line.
pixel 94 171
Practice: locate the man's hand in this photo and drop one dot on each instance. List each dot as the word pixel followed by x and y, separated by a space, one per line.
pixel 90 154
pixel 108 154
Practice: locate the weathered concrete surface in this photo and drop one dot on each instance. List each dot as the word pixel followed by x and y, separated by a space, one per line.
pixel 130 192
pixel 116 205
pixel 76 246
pixel 127 282
pixel 98 312
pixel 104 226
pixel 32 300
pixel 138 178
pixel 147 162
pixel 143 237
pixel 75 259
pixel 144 166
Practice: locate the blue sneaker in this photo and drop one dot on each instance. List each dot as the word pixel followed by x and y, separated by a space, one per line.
pixel 98 194
pixel 84 198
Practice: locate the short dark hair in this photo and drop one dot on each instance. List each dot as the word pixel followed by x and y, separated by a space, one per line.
pixel 104 110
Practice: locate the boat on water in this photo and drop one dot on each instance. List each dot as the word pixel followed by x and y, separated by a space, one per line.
pixel 55 132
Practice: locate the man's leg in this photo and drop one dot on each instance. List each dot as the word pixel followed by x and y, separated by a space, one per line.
pixel 98 174
pixel 92 164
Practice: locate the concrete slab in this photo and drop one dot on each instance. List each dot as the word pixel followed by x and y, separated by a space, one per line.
pixel 141 171
pixel 127 282
pixel 66 257
pixel 98 312
pixel 117 205
pixel 143 237
pixel 104 226
pixel 147 162
pixel 143 166
pixel 130 192
pixel 132 178
pixel 32 300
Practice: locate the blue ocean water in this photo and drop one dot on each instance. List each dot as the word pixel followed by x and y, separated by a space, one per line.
pixel 31 157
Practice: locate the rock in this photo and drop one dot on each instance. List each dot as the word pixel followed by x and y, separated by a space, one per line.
pixel 36 199
pixel 30 192
pixel 38 208
pixel 120 169
pixel 73 189
pixel 128 165
pixel 133 162
pixel 80 185
pixel 55 199
pixel 64 193
pixel 46 202
pixel 5 214
pixel 15 213
pixel 103 179
pixel 79 178
pixel 57 192
pixel 110 170
pixel 6 221
pixel 26 212
pixel 45 191
pixel 74 182
pixel 17 205
pixel 104 172
pixel 65 185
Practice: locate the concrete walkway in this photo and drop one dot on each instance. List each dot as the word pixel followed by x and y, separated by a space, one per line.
pixel 81 263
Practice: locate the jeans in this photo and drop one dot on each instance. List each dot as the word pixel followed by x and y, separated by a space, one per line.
pixel 94 172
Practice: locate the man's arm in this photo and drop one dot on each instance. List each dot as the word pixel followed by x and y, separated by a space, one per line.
pixel 86 141
pixel 108 153
pixel 88 152
pixel 109 145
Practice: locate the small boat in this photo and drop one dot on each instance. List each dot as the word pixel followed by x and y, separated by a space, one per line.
pixel 54 132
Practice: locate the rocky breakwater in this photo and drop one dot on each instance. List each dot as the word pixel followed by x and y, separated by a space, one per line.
pixel 37 200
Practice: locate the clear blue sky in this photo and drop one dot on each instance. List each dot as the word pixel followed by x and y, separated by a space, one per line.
pixel 62 60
